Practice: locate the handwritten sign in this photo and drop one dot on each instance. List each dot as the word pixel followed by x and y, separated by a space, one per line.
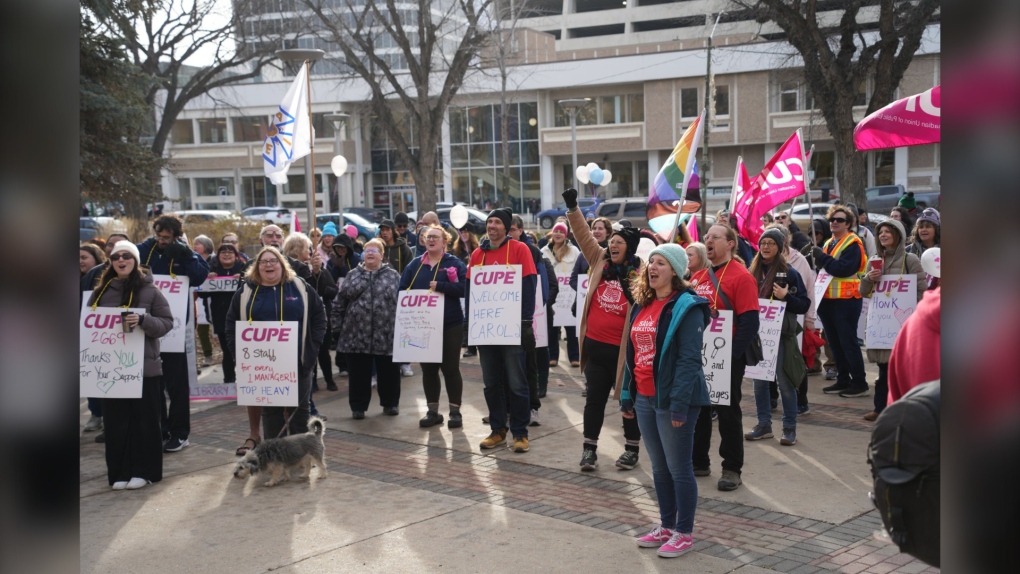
pixel 179 297
pixel 582 294
pixel 562 317
pixel 267 363
pixel 110 361
pixel 218 283
pixel 892 303
pixel 770 327
pixel 821 285
pixel 862 321
pixel 495 305
pixel 418 330
pixel 717 357
pixel 541 320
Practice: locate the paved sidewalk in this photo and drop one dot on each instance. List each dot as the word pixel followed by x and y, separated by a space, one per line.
pixel 404 499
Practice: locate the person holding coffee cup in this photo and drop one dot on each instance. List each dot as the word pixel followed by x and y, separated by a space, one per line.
pixel 134 439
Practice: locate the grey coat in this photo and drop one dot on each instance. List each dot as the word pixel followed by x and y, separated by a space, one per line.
pixel 156 322
pixel 365 310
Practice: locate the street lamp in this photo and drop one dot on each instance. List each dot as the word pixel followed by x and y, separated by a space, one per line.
pixel 309 57
pixel 338 119
pixel 572 106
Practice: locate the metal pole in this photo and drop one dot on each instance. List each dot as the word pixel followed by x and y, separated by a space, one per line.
pixel 336 151
pixel 310 159
pixel 710 113
pixel 573 144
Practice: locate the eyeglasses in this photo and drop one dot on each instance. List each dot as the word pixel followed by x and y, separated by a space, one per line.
pixel 269 262
pixel 837 220
pixel 122 255
pixel 229 241
pixel 371 252
pixel 433 237
pixel 768 243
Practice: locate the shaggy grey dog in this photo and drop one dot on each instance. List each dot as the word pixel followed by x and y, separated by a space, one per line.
pixel 280 455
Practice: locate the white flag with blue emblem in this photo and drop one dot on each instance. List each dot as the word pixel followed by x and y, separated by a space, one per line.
pixel 289 137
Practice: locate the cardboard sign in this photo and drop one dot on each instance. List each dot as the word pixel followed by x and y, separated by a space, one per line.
pixel 219 283
pixel 582 294
pixel 717 357
pixel 179 297
pixel 862 321
pixel 197 390
pixel 770 327
pixel 267 363
pixel 892 303
pixel 541 320
pixel 495 293
pixel 110 361
pixel 418 330
pixel 821 285
pixel 562 317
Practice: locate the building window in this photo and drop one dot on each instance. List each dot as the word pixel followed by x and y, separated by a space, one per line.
pixel 862 94
pixel 587 115
pixel 257 192
pixel 214 186
pixel 722 101
pixel 212 130
pixel 885 167
pixel 789 96
pixel 636 102
pixel 689 104
pixel 183 132
pixel 823 168
pixel 323 127
pixel 249 128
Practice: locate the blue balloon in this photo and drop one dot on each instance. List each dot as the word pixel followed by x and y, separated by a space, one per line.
pixel 596 176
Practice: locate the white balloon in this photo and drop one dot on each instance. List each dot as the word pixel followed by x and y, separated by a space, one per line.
pixel 592 166
pixel 931 262
pixel 339 165
pixel 582 174
pixel 608 177
pixel 458 216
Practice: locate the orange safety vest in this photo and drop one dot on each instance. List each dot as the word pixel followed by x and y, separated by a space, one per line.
pixel 846 287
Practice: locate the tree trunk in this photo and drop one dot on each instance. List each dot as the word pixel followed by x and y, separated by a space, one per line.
pixel 851 171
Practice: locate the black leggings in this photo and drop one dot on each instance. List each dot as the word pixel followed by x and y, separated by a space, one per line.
pixel 600 372
pixel 450 367
pixel 325 362
pixel 229 375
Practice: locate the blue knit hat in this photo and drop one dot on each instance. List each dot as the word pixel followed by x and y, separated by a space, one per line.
pixel 673 253
pixel 329 229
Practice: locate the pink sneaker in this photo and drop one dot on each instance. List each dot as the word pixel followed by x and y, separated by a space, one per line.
pixel 655 538
pixel 677 545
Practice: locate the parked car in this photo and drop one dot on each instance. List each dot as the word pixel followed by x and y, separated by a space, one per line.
pixel 882 198
pixel 413 215
pixel 366 229
pixel 371 215
pixel 800 214
pixel 88 228
pixel 277 215
pixel 633 209
pixel 204 215
pixel 547 218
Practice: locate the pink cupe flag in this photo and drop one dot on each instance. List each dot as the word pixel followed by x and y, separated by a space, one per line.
pixel 780 181
pixel 911 121
pixel 740 201
pixel 295 225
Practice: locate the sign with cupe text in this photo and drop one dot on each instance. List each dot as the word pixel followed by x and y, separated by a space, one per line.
pixel 822 281
pixel 562 317
pixel 110 361
pixel 178 296
pixel 540 324
pixel 495 307
pixel 267 363
pixel 770 327
pixel 418 330
pixel 717 357
pixel 893 301
pixel 582 294
pixel 218 283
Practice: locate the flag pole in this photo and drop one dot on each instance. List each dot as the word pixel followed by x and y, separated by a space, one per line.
pixel 310 186
pixel 736 181
pixel 687 178
pixel 807 192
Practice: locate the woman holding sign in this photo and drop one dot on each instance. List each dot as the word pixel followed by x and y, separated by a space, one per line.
pixel 134 439
pixel 777 281
pixel 227 263
pixel 441 272
pixel 893 260
pixel 562 255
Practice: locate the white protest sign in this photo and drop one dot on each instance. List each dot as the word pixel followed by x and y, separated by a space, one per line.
pixel 418 329
pixel 541 320
pixel 862 321
pixel 267 363
pixel 892 302
pixel 717 357
pixel 110 361
pixel 770 327
pixel 582 294
pixel 495 305
pixel 179 297
pixel 218 283
pixel 562 317
pixel 821 284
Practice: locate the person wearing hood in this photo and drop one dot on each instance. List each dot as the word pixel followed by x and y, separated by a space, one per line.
pixel 895 261
pixel 401 228
pixel 134 453
pixel 226 263
pixel 396 251
pixel 797 237
pixel 325 246
pixel 808 276
pixel 605 327
pixel 863 231
pixel 927 234
pixel 166 254
pixel 344 257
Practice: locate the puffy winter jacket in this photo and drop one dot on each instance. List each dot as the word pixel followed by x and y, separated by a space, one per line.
pixel 365 311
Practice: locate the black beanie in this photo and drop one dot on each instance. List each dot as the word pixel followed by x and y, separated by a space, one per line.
pixel 632 236
pixel 343 240
pixel 505 214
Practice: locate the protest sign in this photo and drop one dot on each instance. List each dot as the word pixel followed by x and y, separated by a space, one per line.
pixel 418 329
pixel 218 283
pixel 541 320
pixel 179 297
pixel 892 302
pixel 267 363
pixel 821 284
pixel 495 293
pixel 562 317
pixel 582 294
pixel 862 321
pixel 110 361
pixel 717 357
pixel 770 327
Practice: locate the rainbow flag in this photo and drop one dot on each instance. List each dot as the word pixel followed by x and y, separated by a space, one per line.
pixel 674 181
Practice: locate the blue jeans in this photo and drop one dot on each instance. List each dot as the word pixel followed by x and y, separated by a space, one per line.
pixel 498 361
pixel 669 449
pixel 787 393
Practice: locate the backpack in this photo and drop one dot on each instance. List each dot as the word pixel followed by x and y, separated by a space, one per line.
pixel 904 458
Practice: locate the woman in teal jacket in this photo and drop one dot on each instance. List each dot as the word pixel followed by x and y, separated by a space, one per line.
pixel 666 395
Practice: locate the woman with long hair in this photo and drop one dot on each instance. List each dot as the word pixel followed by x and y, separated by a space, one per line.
pixel 927 234
pixel 697 257
pixel 89 256
pixel 562 254
pixel 601 229
pixel 463 247
pixel 134 439
pixel 903 216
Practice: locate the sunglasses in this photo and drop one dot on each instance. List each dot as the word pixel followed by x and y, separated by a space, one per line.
pixel 121 255
pixel 837 220
pixel 780 217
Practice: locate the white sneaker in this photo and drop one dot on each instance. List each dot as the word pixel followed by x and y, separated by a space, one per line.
pixel 120 485
pixel 405 371
pixel 534 419
pixel 136 483
pixel 374 382
pixel 94 424
pixel 342 374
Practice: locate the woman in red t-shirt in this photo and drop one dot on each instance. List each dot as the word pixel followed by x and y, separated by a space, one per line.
pixel 664 389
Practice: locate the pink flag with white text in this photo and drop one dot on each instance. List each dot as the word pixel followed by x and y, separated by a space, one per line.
pixel 741 202
pixel 916 120
pixel 780 181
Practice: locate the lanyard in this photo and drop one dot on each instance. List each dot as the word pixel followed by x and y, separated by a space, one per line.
pixel 715 294
pixel 147 259
pixel 131 297
pixel 256 294
pixel 506 243
pixel 434 275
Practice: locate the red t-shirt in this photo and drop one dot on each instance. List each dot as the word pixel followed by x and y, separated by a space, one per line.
pixel 607 313
pixel 642 336
pixel 736 282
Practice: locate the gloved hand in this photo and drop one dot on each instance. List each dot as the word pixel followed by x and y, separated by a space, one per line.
pixel 570 198
pixel 527 335
pixel 819 254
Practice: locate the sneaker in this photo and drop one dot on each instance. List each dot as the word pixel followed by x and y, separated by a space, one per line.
pixel 120 485
pixel 495 439
pixel 542 393
pixel 173 445
pixel 343 374
pixel 431 418
pixel 702 471
pixel 852 393
pixel 405 371
pixel 553 362
pixel 534 419
pixel 676 545
pixel 357 415
pixel 815 370
pixel 628 460
pixel 520 444
pixel 101 437
pixel 835 389
pixel 575 364
pixel 589 460
pixel 759 432
pixel 715 415
pixel 584 392
pixel 655 538
pixel 830 374
pixel 485 419
pixel 871 417
pixel 374 382
pixel 391 411
pixel 804 410
pixel 136 483
pixel 94 423
pixel 331 386
pixel 456 421
pixel 730 480
pixel 471 352
pixel 315 386
pixel 789 437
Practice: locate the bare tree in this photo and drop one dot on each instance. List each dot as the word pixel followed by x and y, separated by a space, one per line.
pixel 435 45
pixel 839 58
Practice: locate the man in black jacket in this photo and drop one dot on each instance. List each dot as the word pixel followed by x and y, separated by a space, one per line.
pixel 797 238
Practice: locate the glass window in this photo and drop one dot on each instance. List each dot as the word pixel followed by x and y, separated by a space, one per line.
pixel 183 132
pixel 586 115
pixel 613 110
pixel 458 125
pixel 214 186
pixel 722 100
pixel 323 127
pixel 529 153
pixel 513 131
pixel 636 102
pixel 635 209
pixel 642 177
pixel 689 105
pixel 258 191
pixel 789 96
pixel 885 163
pixel 459 155
pixel 481 155
pixel 249 128
pixel 529 121
pixel 823 164
pixel 480 127
pixel 212 130
pixel 862 94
